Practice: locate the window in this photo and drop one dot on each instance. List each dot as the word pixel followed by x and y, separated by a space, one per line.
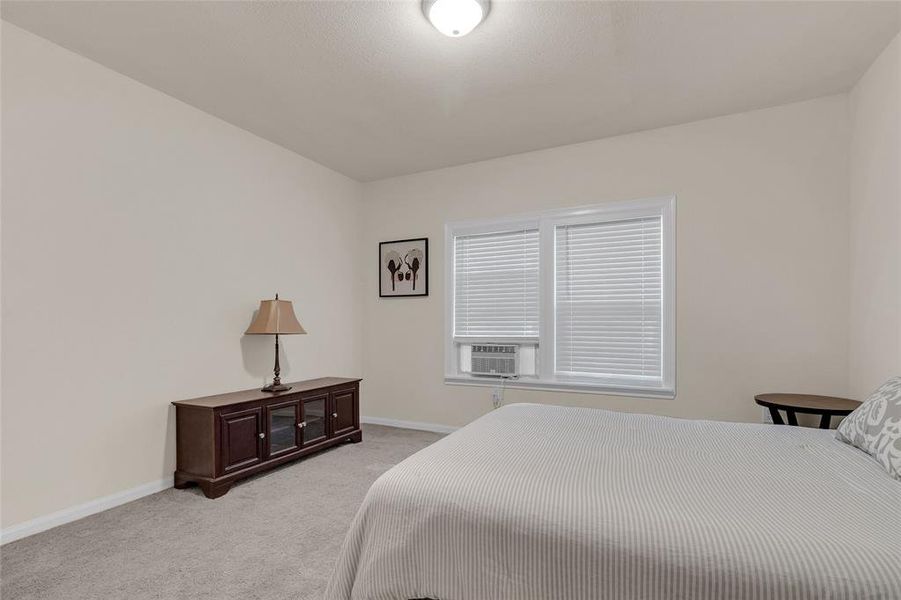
pixel 586 294
pixel 608 299
pixel 496 285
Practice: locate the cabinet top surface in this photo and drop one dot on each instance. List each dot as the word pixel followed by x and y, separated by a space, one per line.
pixel 255 394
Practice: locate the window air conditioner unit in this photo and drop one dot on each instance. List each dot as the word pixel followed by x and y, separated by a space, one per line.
pixel 494 360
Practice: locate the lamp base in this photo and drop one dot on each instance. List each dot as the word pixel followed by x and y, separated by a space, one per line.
pixel 272 387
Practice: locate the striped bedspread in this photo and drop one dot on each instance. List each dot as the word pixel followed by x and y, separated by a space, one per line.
pixel 545 502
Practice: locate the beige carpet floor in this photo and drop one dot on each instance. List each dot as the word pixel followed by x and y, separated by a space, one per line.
pixel 275 536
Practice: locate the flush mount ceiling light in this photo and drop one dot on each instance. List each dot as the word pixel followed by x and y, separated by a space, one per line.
pixel 455 18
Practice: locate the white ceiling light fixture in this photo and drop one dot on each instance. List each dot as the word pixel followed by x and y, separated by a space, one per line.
pixel 455 18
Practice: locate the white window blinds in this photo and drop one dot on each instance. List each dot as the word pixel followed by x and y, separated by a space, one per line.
pixel 496 285
pixel 609 299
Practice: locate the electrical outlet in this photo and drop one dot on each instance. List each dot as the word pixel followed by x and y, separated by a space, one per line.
pixel 497 397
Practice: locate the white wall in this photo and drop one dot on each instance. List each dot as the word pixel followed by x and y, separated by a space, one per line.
pixel 138 235
pixel 762 267
pixel 875 214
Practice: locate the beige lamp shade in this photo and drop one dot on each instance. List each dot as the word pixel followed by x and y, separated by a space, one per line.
pixel 275 317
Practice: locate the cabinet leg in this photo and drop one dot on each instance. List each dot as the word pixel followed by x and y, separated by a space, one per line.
pixel 181 483
pixel 355 438
pixel 214 490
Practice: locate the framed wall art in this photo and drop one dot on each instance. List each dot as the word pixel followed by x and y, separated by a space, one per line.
pixel 404 268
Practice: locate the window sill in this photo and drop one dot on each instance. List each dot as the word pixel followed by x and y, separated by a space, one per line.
pixel 562 386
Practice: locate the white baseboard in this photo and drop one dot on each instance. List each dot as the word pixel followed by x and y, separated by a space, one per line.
pixel 434 427
pixel 67 515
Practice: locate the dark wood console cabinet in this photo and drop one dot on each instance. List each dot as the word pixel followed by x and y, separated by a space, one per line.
pixel 221 439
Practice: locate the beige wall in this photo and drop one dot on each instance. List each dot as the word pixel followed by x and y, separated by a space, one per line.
pixel 762 268
pixel 138 235
pixel 875 215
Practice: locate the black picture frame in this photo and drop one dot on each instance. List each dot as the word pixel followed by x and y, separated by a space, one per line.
pixel 412 276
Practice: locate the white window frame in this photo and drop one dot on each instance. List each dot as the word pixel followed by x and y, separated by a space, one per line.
pixel 546 222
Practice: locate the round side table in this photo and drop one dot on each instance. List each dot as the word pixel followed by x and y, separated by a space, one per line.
pixel 825 406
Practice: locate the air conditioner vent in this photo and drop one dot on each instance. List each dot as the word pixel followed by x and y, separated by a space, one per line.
pixel 495 360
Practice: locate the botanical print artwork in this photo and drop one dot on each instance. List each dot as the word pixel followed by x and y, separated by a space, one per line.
pixel 403 268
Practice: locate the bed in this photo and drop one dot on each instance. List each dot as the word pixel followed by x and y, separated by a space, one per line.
pixel 546 502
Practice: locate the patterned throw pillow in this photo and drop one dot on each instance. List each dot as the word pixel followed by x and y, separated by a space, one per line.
pixel 875 426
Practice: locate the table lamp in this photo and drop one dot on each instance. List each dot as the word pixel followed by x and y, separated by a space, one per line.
pixel 275 317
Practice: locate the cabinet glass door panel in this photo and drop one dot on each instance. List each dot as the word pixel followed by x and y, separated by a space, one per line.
pixel 314 418
pixel 282 428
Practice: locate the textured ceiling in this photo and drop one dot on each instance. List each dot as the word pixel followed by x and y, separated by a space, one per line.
pixel 370 89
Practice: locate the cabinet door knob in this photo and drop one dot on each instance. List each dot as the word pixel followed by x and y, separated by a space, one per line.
pixel 262 435
pixel 302 424
pixel 334 415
